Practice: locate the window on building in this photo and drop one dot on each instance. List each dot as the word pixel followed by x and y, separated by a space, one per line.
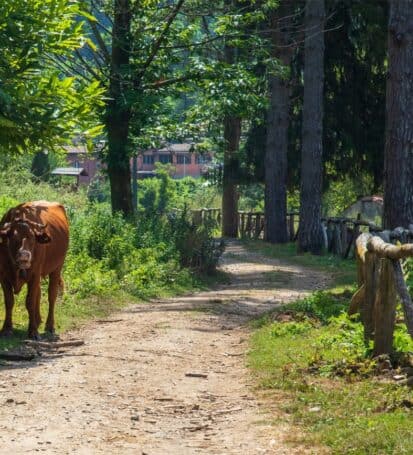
pixel 202 159
pixel 165 159
pixel 183 159
pixel 148 159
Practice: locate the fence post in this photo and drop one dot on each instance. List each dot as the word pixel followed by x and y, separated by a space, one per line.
pixel 343 238
pixel 384 309
pixel 337 239
pixel 248 227
pixel 330 235
pixel 292 227
pixel 197 217
pixel 367 307
pixel 257 228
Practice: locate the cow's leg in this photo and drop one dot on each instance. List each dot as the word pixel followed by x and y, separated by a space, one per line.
pixel 55 282
pixel 7 329
pixel 37 314
pixel 32 305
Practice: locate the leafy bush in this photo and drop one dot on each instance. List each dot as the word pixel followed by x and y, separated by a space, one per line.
pixel 321 305
pixel 196 247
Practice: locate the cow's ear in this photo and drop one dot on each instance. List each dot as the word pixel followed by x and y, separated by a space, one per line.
pixel 5 231
pixel 43 237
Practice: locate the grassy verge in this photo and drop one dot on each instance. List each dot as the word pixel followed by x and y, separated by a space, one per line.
pixel 315 355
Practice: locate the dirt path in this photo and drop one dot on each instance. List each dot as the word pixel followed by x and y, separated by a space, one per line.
pixel 129 389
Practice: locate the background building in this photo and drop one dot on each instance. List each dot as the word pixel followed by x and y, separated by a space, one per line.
pixel 184 160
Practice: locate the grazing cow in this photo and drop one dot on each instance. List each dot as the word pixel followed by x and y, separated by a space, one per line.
pixel 34 239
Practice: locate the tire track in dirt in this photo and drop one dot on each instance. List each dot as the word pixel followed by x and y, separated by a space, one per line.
pixel 166 377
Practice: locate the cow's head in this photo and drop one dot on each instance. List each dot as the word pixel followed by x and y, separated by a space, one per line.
pixel 22 236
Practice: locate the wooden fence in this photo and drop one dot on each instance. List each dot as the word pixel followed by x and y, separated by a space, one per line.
pixel 340 233
pixel 380 280
pixel 379 266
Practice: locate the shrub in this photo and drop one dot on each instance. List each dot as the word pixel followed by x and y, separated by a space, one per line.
pixel 196 247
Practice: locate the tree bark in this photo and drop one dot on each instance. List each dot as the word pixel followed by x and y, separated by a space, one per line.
pixel 275 197
pixel 398 152
pixel 310 237
pixel 119 112
pixel 232 133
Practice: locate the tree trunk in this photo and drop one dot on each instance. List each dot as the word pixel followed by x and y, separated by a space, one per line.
pixel 232 133
pixel 119 113
pixel 398 151
pixel 310 237
pixel 277 130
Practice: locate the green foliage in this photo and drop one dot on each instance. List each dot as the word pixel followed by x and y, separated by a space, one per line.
pixel 177 194
pixel 290 328
pixel 41 166
pixel 39 107
pixel 195 244
pixel 344 192
pixel 320 305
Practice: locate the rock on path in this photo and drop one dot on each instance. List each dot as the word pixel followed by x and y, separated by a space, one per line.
pixel 166 377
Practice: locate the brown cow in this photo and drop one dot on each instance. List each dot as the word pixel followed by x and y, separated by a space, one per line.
pixel 34 239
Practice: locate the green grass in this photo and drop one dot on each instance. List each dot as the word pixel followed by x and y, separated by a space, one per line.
pixel 314 355
pixel 350 414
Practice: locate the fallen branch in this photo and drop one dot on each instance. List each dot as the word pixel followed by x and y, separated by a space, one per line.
pixel 197 428
pixel 108 321
pixel 225 411
pixel 53 345
pixel 196 375
pixel 15 356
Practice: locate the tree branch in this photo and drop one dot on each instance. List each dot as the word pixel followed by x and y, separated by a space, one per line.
pixel 100 41
pixel 87 66
pixel 159 41
pixel 166 82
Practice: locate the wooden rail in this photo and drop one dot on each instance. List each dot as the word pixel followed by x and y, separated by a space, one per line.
pixel 380 280
pixel 340 233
